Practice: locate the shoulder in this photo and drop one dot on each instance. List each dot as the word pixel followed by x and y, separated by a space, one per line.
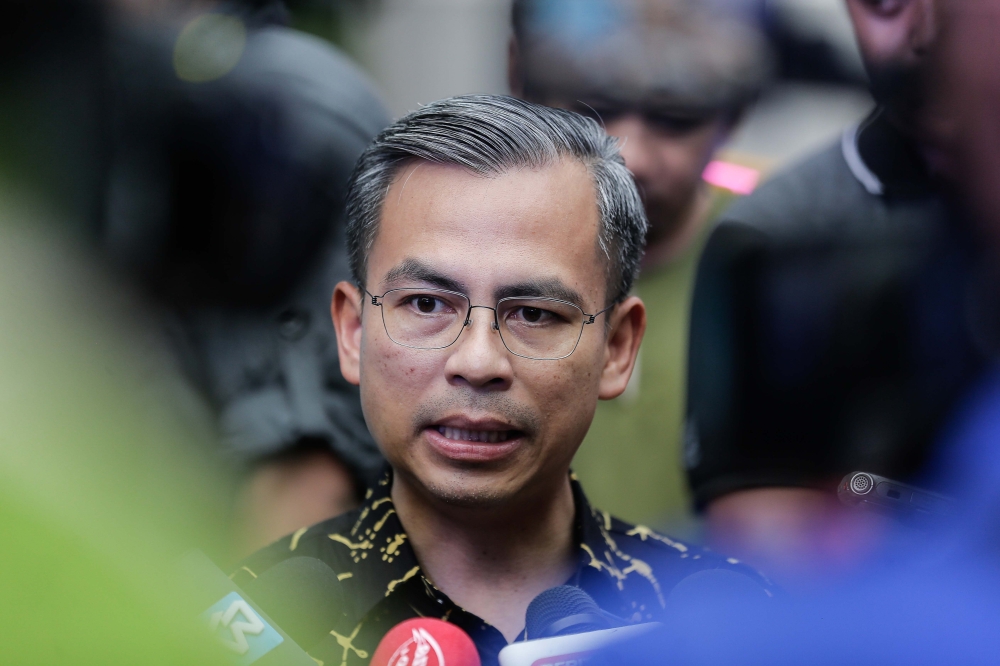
pixel 315 541
pixel 809 196
pixel 670 559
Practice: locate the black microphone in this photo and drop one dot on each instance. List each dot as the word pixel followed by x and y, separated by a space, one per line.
pixel 304 597
pixel 564 625
pixel 564 610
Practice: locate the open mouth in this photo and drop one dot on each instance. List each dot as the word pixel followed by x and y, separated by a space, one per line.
pixel 490 442
pixel 481 436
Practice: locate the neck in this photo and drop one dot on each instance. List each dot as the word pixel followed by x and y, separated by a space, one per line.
pixel 492 561
pixel 678 233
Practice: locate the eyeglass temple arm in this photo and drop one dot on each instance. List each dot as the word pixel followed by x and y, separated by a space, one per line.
pixel 593 317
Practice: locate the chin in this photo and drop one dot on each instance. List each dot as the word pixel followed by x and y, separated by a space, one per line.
pixel 469 488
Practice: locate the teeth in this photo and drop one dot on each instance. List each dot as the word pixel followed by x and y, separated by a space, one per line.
pixel 486 436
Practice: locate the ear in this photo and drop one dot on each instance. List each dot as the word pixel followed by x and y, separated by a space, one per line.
pixel 346 309
pixel 628 325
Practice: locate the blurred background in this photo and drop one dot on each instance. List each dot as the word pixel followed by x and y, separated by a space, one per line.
pixel 425 50
pixel 172 184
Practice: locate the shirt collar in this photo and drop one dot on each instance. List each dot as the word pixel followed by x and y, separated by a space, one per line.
pixel 390 562
pixel 884 160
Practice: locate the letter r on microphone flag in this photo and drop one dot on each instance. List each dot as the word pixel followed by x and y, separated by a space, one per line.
pixel 244 633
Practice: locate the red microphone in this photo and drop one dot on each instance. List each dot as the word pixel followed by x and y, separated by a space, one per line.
pixel 425 642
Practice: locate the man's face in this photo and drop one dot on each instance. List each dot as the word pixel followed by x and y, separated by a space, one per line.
pixel 667 161
pixel 895 38
pixel 968 95
pixel 472 424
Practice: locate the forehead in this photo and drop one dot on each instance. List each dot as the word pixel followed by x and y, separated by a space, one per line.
pixel 487 232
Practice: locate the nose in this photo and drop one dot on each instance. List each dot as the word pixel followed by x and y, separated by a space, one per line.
pixel 479 359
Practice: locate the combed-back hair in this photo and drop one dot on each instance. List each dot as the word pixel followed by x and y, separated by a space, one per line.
pixel 491 135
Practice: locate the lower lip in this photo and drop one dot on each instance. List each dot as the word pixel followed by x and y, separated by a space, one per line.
pixel 464 451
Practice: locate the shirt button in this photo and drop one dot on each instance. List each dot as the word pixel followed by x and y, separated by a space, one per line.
pixel 293 324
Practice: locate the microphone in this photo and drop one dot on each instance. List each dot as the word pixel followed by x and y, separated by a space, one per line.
pixel 243 629
pixel 712 591
pixel 564 626
pixel 425 642
pixel 564 610
pixel 304 597
pixel 708 598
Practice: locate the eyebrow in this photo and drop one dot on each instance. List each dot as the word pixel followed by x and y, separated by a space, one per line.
pixel 544 288
pixel 414 270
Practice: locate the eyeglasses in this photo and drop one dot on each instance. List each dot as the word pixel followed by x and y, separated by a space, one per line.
pixel 543 329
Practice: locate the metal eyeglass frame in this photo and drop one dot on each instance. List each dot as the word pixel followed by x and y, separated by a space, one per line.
pixel 587 318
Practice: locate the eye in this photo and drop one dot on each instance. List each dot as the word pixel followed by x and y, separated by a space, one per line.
pixel 675 124
pixel 527 314
pixel 427 304
pixel 885 7
pixel 532 315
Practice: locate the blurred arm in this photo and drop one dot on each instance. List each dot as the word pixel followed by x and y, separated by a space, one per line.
pixel 293 490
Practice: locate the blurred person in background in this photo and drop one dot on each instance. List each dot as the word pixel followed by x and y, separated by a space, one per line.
pixel 672 83
pixel 834 323
pixel 104 477
pixel 234 137
pixel 935 599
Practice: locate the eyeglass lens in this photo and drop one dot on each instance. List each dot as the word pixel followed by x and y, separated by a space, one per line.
pixel 538 328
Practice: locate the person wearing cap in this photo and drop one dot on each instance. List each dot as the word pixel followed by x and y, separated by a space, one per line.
pixel 671 84
pixel 831 328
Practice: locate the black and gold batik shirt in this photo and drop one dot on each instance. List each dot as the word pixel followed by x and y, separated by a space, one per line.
pixel 629 570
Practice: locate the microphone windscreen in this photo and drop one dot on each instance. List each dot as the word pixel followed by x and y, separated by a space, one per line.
pixel 563 610
pixel 426 641
pixel 303 596
pixel 714 591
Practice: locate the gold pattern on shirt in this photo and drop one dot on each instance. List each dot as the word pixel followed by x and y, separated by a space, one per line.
pixel 381 522
pixel 242 569
pixel 635 566
pixel 393 583
pixel 644 533
pixel 391 549
pixel 358 549
pixel 347 642
pixel 295 538
pixel 608 566
pixel 361 519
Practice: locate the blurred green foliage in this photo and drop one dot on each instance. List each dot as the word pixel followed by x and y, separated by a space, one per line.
pixel 103 480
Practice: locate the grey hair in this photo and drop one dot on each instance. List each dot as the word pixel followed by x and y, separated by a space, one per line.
pixel 491 135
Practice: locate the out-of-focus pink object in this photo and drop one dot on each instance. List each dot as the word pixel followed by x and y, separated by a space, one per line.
pixel 733 177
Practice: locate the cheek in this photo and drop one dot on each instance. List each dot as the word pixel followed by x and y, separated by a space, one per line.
pixel 396 376
pixel 570 391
